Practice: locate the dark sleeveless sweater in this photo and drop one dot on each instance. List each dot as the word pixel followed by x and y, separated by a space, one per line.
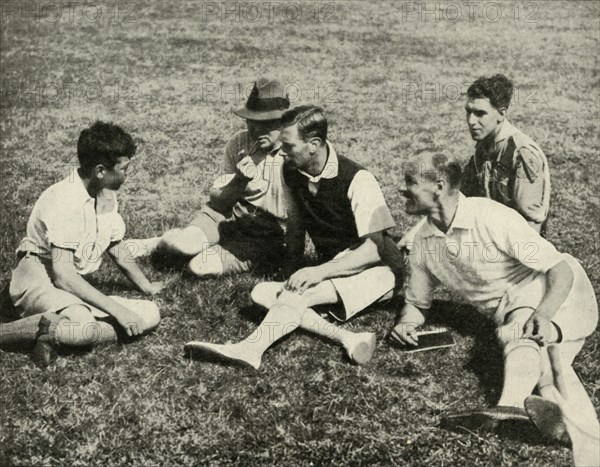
pixel 327 215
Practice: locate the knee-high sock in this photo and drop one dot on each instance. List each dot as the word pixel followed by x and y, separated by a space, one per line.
pixel 521 373
pixel 22 331
pixel 579 414
pixel 75 334
pixel 280 321
pixel 314 323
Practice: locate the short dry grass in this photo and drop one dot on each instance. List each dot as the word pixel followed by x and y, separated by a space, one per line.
pixel 166 73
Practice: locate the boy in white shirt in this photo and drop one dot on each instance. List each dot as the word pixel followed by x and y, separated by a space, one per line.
pixel 70 227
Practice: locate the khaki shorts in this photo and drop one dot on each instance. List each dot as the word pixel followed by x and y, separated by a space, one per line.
pixel 32 292
pixel 577 317
pixel 240 243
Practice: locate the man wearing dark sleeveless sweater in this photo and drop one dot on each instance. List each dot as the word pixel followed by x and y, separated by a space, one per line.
pixel 341 206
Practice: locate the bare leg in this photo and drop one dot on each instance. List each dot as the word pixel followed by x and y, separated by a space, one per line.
pixel 209 262
pixel 188 241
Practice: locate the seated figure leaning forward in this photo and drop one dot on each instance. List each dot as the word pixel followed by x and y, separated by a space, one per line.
pixel 70 227
pixel 242 225
pixel 508 166
pixel 341 206
pixel 542 301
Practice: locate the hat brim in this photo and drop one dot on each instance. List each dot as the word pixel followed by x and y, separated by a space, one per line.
pixel 258 115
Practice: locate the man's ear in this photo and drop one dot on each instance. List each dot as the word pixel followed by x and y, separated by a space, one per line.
pixel 502 112
pixel 99 171
pixel 441 185
pixel 315 143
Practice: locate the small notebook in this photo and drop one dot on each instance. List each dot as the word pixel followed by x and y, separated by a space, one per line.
pixel 430 340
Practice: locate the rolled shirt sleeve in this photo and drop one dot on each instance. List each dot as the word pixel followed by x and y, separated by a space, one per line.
pixel 530 190
pixel 371 212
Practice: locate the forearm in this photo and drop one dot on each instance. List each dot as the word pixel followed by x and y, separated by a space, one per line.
pixel 226 195
pixel 353 262
pixel 130 267
pixel 559 280
pixel 78 286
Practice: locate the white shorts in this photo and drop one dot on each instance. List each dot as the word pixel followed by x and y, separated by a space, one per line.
pixel 576 318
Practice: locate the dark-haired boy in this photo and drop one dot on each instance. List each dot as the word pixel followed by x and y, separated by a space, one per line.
pixel 508 166
pixel 341 207
pixel 70 227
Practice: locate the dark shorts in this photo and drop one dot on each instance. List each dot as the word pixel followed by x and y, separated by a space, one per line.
pixel 241 243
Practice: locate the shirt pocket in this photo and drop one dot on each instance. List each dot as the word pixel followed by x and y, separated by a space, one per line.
pixel 503 183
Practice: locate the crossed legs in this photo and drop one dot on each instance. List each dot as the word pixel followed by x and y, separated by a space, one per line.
pixel 74 326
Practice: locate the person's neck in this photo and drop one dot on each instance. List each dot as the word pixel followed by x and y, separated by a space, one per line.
pixel 491 138
pixel 317 165
pixel 443 214
pixel 91 185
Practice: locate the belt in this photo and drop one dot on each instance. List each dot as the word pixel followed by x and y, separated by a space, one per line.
pixel 25 254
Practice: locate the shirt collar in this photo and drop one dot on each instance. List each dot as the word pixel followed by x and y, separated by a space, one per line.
pixel 79 191
pixel 463 219
pixel 505 131
pixel 331 167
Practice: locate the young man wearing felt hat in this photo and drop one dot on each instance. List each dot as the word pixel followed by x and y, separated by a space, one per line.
pixel 242 225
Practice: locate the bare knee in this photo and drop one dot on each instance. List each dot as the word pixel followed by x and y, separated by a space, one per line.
pixel 206 264
pixel 188 241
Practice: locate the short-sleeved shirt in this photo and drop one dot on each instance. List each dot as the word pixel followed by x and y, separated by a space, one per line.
pixel 66 216
pixel 488 249
pixel 510 168
pixel 266 192
pixel 371 213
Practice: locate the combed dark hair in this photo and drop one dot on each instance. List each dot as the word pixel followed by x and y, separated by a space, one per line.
pixel 102 144
pixel 498 89
pixel 443 165
pixel 311 121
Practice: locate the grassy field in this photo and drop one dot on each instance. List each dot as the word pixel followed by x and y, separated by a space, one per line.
pixel 389 75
